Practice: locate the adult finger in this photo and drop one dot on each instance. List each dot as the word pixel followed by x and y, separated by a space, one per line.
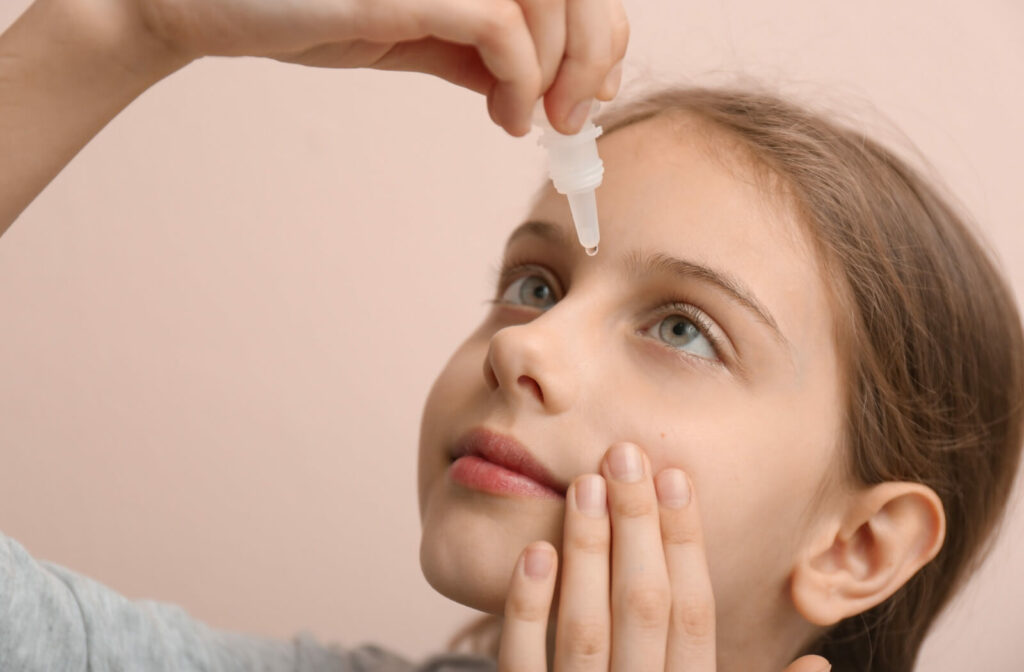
pixel 498 30
pixel 610 87
pixel 620 41
pixel 524 632
pixel 459 64
pixel 583 637
pixel 691 636
pixel 640 583
pixel 587 63
pixel 588 60
pixel 546 21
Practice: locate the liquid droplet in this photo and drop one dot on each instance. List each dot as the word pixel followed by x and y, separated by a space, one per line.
pixel 591 251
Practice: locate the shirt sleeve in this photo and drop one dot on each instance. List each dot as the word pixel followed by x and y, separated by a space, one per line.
pixel 54 620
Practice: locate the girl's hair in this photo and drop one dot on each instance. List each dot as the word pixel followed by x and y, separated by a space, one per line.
pixel 928 334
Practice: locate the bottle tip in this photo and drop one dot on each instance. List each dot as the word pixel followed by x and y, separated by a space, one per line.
pixel 591 251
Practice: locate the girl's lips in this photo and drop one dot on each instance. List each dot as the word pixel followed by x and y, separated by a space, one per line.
pixel 497 463
pixel 479 474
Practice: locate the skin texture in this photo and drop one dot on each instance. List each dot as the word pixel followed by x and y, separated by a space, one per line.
pixel 755 426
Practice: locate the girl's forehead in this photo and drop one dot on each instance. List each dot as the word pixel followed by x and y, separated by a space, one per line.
pixel 669 192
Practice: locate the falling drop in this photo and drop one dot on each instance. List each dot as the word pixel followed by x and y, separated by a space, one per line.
pixel 591 251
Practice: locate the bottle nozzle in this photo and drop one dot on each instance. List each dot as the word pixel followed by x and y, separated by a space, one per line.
pixel 576 171
pixel 583 205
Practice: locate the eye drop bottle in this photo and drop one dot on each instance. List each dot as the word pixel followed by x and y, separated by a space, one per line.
pixel 576 171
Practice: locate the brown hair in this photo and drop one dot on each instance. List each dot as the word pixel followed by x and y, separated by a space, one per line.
pixel 929 333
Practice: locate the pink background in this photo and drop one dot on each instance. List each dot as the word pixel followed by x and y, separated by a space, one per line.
pixel 221 320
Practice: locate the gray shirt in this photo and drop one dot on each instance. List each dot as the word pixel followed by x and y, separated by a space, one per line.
pixel 52 620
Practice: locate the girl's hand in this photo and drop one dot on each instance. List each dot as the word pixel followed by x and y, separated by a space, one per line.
pixel 513 51
pixel 638 602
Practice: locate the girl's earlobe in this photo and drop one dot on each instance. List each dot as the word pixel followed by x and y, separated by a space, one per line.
pixel 889 532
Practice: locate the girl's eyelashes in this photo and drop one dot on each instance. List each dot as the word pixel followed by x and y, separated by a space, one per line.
pixel 680 326
pixel 686 328
pixel 527 285
pixel 530 290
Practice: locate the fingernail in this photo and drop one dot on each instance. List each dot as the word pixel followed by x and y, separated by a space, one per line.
pixel 578 115
pixel 590 496
pixel 625 463
pixel 673 488
pixel 538 563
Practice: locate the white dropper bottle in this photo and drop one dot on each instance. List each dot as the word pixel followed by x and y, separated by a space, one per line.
pixel 576 171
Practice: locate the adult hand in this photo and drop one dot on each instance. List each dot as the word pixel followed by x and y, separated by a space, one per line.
pixel 512 51
pixel 635 593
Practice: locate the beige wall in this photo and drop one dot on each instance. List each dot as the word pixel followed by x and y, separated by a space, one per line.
pixel 221 320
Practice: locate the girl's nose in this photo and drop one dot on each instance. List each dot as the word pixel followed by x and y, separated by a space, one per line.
pixel 527 363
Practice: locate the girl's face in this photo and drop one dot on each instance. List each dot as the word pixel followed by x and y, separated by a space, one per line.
pixel 702 331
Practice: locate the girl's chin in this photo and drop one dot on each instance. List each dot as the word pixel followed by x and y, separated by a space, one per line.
pixel 468 554
pixel 467 577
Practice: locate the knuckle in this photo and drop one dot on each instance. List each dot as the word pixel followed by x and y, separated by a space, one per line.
pixel 499 24
pixel 679 534
pixel 603 63
pixel 592 54
pixel 593 542
pixel 694 619
pixel 634 507
pixel 649 606
pixel 585 639
pixel 596 61
pixel 526 607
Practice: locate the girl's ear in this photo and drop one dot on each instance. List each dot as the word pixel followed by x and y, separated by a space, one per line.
pixel 885 535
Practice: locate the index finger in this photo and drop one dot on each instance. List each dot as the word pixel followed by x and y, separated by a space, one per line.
pixel 691 634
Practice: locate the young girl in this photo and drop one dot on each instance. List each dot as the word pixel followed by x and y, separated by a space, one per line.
pixel 777 415
pixel 789 313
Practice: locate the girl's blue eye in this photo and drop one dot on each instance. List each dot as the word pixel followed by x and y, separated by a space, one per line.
pixel 680 332
pixel 530 290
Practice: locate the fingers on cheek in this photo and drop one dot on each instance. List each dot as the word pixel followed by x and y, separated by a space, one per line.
pixel 583 639
pixel 673 490
pixel 532 585
pixel 692 626
pixel 523 634
pixel 677 511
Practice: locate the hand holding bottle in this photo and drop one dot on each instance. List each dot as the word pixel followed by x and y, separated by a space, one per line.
pixel 512 51
pixel 67 67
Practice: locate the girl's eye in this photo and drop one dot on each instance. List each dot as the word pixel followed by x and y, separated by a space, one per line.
pixel 530 290
pixel 680 332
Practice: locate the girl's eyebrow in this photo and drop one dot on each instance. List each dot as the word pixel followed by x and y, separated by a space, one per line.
pixel 644 265
pixel 640 265
pixel 545 230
